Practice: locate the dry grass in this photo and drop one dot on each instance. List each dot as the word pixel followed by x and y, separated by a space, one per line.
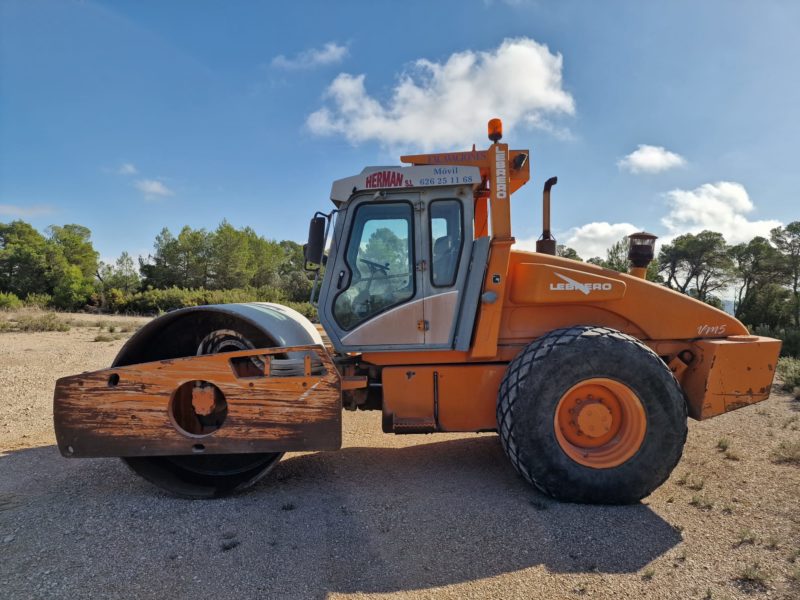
pixel 772 542
pixel 745 537
pixel 753 578
pixel 787 453
pixel 702 502
pixel 31 323
pixel 105 325
pixel 104 337
pixel 696 484
pixel 789 372
pixel 34 320
pixel 731 455
pixel 691 481
pixel 580 589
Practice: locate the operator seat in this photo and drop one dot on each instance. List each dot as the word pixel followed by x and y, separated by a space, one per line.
pixel 445 254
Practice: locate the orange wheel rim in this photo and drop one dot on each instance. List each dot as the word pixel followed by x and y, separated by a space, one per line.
pixel 600 423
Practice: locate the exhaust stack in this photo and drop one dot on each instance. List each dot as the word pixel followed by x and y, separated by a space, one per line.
pixel 546 244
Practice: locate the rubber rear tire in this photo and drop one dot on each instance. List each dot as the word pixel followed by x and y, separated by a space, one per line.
pixel 540 376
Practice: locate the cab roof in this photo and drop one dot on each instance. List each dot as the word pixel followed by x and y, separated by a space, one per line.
pixel 395 177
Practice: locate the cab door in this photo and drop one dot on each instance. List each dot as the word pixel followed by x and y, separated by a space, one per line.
pixel 372 297
pixel 447 237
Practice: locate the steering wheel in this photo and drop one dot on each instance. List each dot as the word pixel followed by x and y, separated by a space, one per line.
pixel 374 266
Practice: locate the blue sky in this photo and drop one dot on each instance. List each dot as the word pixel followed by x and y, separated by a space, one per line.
pixel 130 116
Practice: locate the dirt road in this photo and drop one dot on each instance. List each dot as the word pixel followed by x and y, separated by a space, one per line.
pixel 388 516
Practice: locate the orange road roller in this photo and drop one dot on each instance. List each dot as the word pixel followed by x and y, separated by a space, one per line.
pixel 435 319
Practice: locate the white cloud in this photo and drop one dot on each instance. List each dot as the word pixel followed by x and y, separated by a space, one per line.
pixel 331 53
pixel 720 206
pixel 446 105
pixel 152 187
pixel 35 210
pixel 127 169
pixel 589 240
pixel 650 159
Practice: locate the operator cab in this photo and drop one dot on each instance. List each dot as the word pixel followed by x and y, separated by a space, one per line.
pixel 399 262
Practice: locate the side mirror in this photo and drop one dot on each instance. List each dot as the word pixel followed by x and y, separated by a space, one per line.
pixel 315 248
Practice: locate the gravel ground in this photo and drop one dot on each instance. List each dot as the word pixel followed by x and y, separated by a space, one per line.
pixel 440 516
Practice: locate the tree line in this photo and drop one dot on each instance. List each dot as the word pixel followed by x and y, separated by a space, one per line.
pixel 61 269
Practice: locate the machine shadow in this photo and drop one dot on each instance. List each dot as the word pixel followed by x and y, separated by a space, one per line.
pixel 357 520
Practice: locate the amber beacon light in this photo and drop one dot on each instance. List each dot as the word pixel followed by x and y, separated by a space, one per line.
pixel 495 130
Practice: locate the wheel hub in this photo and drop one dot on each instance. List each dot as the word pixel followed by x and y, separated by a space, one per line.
pixel 594 419
pixel 600 423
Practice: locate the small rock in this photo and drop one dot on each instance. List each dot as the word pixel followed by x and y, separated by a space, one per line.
pixel 8 539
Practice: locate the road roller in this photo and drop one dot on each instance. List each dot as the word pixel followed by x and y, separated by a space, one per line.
pixel 434 318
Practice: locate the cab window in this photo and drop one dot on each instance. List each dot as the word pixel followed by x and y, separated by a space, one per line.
pixel 446 238
pixel 380 257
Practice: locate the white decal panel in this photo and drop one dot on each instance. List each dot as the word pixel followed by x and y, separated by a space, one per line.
pixel 377 178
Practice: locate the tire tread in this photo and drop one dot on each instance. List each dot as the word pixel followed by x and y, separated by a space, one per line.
pixel 518 371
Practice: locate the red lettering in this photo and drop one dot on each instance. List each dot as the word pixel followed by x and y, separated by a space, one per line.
pixel 385 179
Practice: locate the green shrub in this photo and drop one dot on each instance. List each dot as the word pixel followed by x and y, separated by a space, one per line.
pixel 789 337
pixel 116 300
pixel 791 342
pixel 9 301
pixel 73 290
pixel 40 301
pixel 789 372
pixel 308 310
pixel 159 301
pixel 156 301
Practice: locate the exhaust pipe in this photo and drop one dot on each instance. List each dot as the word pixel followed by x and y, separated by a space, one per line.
pixel 547 243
